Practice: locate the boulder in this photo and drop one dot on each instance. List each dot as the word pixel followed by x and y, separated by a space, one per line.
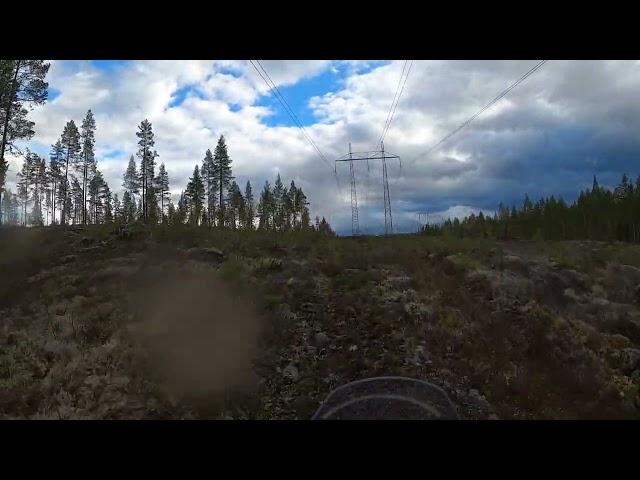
pixel 320 339
pixel 290 372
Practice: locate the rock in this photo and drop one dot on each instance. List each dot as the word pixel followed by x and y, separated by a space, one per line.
pixel 59 308
pixel 479 399
pixel 633 273
pixel 320 339
pixel 353 348
pixel 213 251
pixel 399 281
pixel 120 380
pixel 93 381
pixel 629 359
pixel 600 302
pixel 635 376
pixel 105 309
pixel 268 264
pixel 291 372
pixel 475 275
pixel 571 293
pixel 351 271
pixel 69 258
pixel 512 259
pixel 419 310
pixel 54 347
pixel 493 416
pixel 598 291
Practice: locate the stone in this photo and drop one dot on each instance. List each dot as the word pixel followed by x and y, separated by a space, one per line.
pixel 493 416
pixel 291 372
pixel 629 359
pixel 631 272
pixel 54 347
pixel 69 258
pixel 571 293
pixel 120 380
pixel 598 291
pixel 512 259
pixel 213 251
pixel 92 381
pixel 479 399
pixel 320 339
pixel 419 310
pixel 399 281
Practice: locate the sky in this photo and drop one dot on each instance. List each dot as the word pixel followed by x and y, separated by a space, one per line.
pixel 569 121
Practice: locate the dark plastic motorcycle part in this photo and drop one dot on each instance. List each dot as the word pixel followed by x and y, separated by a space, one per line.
pixel 387 398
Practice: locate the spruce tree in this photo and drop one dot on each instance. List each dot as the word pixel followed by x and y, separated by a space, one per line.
pixel 86 162
pixel 195 196
pixel 222 174
pixel 208 174
pixel 56 160
pixel 147 161
pixel 162 187
pixel 70 141
pixel 131 179
pixel 249 212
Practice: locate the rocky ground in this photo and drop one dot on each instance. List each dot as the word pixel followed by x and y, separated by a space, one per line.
pixel 194 324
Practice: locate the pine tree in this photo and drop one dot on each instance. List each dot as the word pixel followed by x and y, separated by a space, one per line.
pixel 222 174
pixel 117 208
pixel 25 179
pixel 128 207
pixel 10 207
pixel 325 229
pixel 86 162
pixel 195 196
pixel 107 201
pixel 265 207
pixel 209 178
pixel 278 203
pixel 249 212
pixel 162 187
pixel 236 204
pixel 131 179
pixel 70 141
pixel 56 160
pixel 21 84
pixel 147 162
pixel 77 198
pixel 183 207
pixel 39 183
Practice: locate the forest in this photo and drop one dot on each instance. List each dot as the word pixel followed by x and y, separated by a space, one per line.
pixel 597 214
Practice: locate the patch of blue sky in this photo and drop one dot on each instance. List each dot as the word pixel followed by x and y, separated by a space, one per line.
pixel 53 93
pixel 298 95
pixel 109 65
pixel 181 94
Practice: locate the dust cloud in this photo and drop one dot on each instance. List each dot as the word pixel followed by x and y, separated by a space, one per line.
pixel 200 336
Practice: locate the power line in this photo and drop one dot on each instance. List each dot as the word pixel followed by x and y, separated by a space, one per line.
pixel 395 95
pixel 473 117
pixel 385 130
pixel 276 93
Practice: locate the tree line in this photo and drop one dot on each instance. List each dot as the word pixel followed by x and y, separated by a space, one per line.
pixel 598 213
